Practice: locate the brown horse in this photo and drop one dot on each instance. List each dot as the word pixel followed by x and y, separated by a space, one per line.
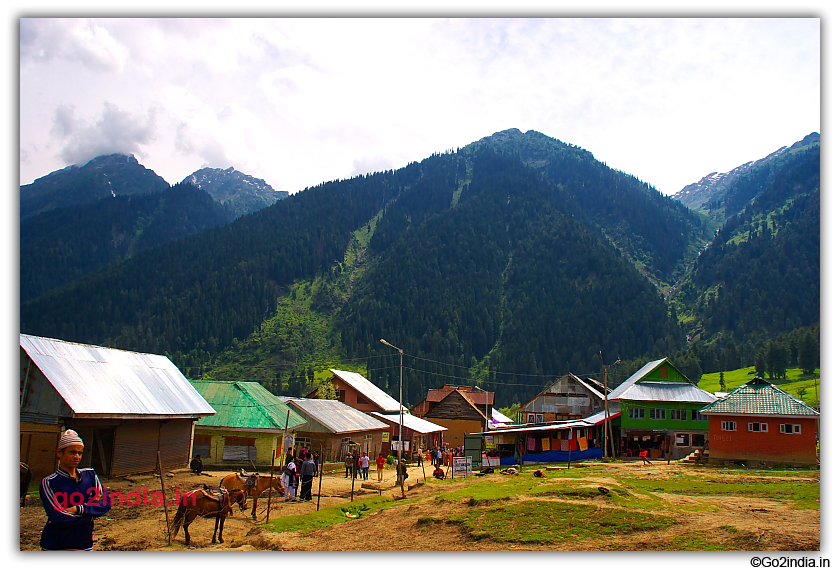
pixel 236 481
pixel 26 475
pixel 200 503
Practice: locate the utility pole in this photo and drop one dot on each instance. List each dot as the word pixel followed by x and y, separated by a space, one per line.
pixel 400 449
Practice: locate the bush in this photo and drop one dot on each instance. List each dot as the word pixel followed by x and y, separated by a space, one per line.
pixel 390 460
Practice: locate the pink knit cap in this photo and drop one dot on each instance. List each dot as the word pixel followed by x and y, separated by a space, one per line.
pixel 69 437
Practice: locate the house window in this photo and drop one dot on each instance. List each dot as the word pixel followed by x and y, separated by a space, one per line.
pixel 240 449
pixel 678 415
pixel 682 439
pixel 790 428
pixel 663 372
pixel 636 413
pixel 727 426
pixel 533 418
pixel 361 399
pixel 368 443
pixel 657 413
pixel 301 442
pixel 698 439
pixel 697 416
pixel 756 426
pixel 342 395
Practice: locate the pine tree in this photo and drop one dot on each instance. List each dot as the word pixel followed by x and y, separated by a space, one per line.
pixel 809 353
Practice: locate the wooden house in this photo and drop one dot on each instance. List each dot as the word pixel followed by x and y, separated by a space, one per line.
pixel 248 427
pixel 360 393
pixel 459 409
pixel 126 406
pixel 761 423
pixel 569 398
pixel 332 427
pixel 661 411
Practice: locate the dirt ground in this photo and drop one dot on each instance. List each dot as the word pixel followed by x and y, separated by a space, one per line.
pixel 772 524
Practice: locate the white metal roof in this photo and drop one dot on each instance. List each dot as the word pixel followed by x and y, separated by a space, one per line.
pixel 634 388
pixel 106 382
pixel 370 391
pixel 593 420
pixel 499 417
pixel 336 416
pixel 411 422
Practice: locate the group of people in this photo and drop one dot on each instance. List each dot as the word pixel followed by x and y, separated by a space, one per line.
pixel 299 473
pixel 358 466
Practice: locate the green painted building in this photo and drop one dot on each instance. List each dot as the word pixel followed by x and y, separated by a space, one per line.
pixel 248 426
pixel 661 412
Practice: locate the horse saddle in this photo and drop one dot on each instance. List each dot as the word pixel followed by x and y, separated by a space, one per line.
pixel 221 495
pixel 249 479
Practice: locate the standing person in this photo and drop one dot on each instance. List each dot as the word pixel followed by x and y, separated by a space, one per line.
pixel 316 459
pixel 348 465
pixel 440 456
pixel 364 461
pixel 290 480
pixel 290 456
pixel 72 498
pixel 307 473
pixel 357 461
pixel 380 466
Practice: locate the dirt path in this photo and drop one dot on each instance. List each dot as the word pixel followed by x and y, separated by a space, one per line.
pixel 766 524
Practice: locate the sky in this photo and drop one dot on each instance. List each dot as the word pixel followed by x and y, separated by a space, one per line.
pixel 299 101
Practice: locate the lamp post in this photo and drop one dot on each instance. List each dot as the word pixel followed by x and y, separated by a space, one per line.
pixel 400 449
pixel 605 370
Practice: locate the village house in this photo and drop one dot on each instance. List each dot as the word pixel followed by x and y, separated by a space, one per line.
pixel 126 406
pixel 332 428
pixel 248 427
pixel 661 411
pixel 360 393
pixel 759 422
pixel 569 398
pixel 460 409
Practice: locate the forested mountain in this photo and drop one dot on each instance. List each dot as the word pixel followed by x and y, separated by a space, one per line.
pixel 505 263
pixel 714 195
pixel 242 193
pixel 64 244
pixel 760 276
pixel 102 177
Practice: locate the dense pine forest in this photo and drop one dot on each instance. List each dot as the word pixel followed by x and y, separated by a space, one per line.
pixel 503 264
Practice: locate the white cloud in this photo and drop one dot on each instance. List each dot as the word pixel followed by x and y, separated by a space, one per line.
pixel 115 131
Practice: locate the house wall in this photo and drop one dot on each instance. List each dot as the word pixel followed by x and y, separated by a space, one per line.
pixel 330 444
pixel 454 435
pixel 769 446
pixel 352 397
pixel 668 424
pixel 38 443
pixel 265 443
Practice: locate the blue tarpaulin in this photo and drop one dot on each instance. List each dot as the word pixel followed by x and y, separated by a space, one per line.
pixel 556 456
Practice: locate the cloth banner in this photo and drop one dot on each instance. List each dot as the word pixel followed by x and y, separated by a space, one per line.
pixel 532 444
pixel 546 444
pixel 564 445
pixel 584 443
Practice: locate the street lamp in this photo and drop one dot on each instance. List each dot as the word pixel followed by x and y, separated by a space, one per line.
pixel 605 370
pixel 400 449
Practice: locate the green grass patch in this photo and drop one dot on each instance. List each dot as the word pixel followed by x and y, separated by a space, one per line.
pixel 795 384
pixel 329 516
pixel 556 522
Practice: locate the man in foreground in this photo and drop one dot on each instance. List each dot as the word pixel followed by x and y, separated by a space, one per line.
pixel 72 498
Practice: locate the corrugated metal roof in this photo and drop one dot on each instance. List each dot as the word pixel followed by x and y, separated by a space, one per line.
pixel 760 397
pixel 412 422
pixel 245 406
pixel 666 392
pixel 370 391
pixel 636 388
pixel 336 416
pixel 500 417
pixel 106 382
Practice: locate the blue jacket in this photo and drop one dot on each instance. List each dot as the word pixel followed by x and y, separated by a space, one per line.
pixel 66 530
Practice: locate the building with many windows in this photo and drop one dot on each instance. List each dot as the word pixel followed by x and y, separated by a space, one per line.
pixel 759 422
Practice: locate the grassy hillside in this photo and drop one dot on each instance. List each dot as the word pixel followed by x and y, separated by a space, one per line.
pixel 797 384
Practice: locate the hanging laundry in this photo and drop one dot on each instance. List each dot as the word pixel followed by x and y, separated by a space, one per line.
pixel 532 444
pixel 546 444
pixel 564 445
pixel 584 443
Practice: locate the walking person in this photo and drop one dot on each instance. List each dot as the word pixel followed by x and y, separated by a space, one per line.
pixel 72 498
pixel 380 466
pixel 348 465
pixel 290 473
pixel 364 461
pixel 644 455
pixel 307 473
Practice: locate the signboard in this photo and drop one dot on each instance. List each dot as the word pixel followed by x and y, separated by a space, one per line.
pixel 395 445
pixel 386 436
pixel 462 466
pixel 288 441
pixel 491 461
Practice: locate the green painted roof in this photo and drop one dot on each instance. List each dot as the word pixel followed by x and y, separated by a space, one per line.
pixel 760 397
pixel 245 405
